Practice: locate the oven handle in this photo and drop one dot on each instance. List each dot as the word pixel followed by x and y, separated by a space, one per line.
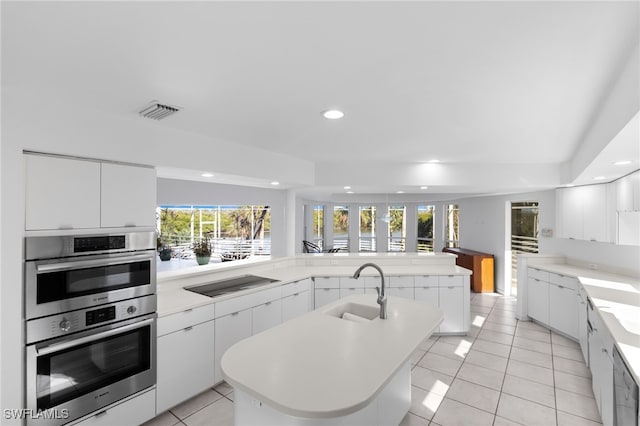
pixel 76 342
pixel 53 267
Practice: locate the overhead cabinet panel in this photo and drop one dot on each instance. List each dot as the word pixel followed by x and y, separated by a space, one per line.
pixel 61 193
pixel 128 196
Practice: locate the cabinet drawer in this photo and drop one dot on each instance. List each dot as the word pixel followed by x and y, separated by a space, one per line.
pixel 186 318
pixel 133 411
pixel 403 281
pixel 451 280
pixel 247 301
pixel 326 282
pixel 349 282
pixel 538 274
pixel 406 292
pixel 564 281
pixel 426 281
pixel 295 287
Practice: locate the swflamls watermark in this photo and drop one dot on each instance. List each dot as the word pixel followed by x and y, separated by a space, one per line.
pixel 30 413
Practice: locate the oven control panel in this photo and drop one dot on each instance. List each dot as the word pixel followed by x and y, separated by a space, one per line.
pixel 83 319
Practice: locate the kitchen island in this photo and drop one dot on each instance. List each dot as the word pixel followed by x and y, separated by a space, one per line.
pixel 322 369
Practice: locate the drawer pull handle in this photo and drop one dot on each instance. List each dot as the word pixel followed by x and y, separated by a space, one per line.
pixel 450 276
pixel 188 328
pixel 235 313
pixel 187 310
pixel 267 304
pixel 101 413
pixel 451 286
pixel 295 294
pixel 560 286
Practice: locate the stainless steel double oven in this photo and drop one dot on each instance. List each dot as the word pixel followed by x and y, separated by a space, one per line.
pixel 90 303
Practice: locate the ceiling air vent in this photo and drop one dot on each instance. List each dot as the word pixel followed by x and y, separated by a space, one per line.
pixel 157 111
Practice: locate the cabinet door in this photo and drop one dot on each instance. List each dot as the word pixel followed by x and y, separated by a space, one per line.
pixel 128 196
pixel 61 193
pixel 326 295
pixel 569 212
pixel 230 329
pixel 132 411
pixel 563 310
pixel 538 299
pixel 295 305
pixel 427 294
pixel 266 316
pixel 185 364
pixel 451 300
pixel 583 336
pixel 344 292
pixel 595 213
pixel 406 292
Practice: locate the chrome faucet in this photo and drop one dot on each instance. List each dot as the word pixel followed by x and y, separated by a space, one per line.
pixel 382 298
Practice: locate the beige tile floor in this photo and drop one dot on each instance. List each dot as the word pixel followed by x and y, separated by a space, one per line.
pixel 504 372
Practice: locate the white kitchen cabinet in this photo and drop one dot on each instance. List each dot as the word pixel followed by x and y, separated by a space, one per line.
pixel 427 294
pixel 265 316
pixel 350 286
pixel 584 213
pixel 326 295
pixel 128 196
pixel 450 303
pixel 600 356
pixel 133 410
pixel 61 193
pixel 185 364
pixel 344 292
pixel 563 309
pixel 406 292
pixel 326 282
pixel 583 329
pixel 69 193
pixel 230 329
pixel 295 305
pixel 538 299
pixel 627 191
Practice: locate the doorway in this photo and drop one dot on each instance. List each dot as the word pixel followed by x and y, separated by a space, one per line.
pixel 524 235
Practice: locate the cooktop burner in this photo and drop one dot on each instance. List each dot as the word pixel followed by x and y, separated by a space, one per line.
pixel 218 288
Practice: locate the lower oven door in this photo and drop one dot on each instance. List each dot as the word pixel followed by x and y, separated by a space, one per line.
pixel 82 373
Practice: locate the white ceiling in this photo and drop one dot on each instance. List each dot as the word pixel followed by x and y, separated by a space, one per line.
pixel 478 84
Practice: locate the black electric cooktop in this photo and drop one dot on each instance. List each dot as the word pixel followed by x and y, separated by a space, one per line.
pixel 218 288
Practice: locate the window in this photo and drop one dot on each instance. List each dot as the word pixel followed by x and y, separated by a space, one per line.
pixel 236 232
pixel 341 227
pixel 397 228
pixel 451 227
pixel 318 225
pixel 367 228
pixel 425 228
pixel 524 235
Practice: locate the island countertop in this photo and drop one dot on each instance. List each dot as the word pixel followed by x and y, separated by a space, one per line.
pixel 321 366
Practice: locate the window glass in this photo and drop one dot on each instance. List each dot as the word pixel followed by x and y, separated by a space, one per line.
pixel 425 228
pixel 367 228
pixel 451 230
pixel 235 232
pixel 397 228
pixel 318 225
pixel 341 227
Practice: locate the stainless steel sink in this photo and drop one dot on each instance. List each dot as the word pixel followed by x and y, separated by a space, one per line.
pixel 221 287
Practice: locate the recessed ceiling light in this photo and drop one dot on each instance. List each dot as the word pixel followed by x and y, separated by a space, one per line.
pixel 598 178
pixel 349 192
pixel 347 187
pixel 275 183
pixel 622 163
pixel 207 175
pixel 399 192
pixel 333 114
pixel 435 160
pixel 424 187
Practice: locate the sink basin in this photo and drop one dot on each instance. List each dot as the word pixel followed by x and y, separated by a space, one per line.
pixel 355 312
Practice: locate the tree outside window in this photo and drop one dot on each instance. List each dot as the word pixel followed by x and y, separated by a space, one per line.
pixel 397 228
pixel 452 222
pixel 425 228
pixel 341 227
pixel 367 229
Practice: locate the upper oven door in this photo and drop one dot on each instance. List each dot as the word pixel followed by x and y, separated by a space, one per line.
pixel 59 285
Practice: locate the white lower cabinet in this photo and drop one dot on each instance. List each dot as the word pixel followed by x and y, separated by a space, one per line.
pixel 131 411
pixel 406 292
pixel 185 364
pixel 295 305
pixel 600 356
pixel 538 299
pixel 583 329
pixel 563 310
pixel 265 316
pixel 230 329
pixel 326 295
pixel 449 301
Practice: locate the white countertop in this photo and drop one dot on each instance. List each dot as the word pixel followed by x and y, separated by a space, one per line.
pixel 617 299
pixel 321 366
pixel 173 298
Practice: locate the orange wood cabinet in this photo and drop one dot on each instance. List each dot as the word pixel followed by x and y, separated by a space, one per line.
pixel 481 264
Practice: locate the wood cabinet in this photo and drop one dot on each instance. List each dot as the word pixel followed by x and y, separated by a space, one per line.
pixel 481 264
pixel 69 193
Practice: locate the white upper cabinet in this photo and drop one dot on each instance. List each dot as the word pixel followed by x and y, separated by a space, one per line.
pixel 61 193
pixel 68 193
pixel 627 190
pixel 128 196
pixel 584 213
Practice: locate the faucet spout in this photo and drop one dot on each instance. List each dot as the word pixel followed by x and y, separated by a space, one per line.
pixel 382 298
